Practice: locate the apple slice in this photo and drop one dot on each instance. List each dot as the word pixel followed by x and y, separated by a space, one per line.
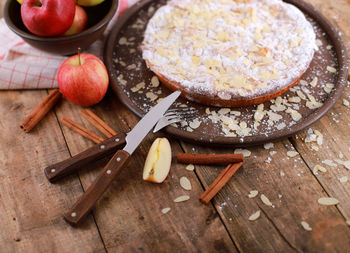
pixel 158 161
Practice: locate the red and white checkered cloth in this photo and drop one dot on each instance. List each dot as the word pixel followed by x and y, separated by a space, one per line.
pixel 24 67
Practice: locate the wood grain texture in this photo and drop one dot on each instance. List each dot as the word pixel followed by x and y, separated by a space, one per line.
pixel 335 125
pixel 294 197
pixel 30 207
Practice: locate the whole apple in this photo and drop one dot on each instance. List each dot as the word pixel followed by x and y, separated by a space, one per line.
pixel 88 2
pixel 80 21
pixel 83 79
pixel 47 17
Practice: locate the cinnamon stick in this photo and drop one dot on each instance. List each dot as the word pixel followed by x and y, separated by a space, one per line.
pixel 219 182
pixel 209 159
pixel 81 130
pixel 40 111
pixel 98 123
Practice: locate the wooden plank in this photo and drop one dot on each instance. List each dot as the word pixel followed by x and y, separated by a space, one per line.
pixel 30 207
pixel 129 214
pixel 294 197
pixel 335 125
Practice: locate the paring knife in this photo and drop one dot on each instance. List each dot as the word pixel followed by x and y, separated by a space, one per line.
pixel 120 159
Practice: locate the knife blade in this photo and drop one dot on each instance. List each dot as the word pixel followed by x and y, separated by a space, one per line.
pixel 120 159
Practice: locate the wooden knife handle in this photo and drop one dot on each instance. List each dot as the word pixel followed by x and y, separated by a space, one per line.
pixel 66 167
pixel 84 205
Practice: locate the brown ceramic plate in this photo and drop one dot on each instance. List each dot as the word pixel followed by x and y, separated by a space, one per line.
pixel 126 67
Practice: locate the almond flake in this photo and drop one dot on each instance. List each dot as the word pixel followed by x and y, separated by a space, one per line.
pixel 265 200
pixel 301 95
pixel 292 153
pixel 166 210
pixel 296 116
pixel 253 194
pixel 123 41
pixel 155 81
pixel 182 198
pixel 190 167
pixel 348 222
pixel 314 81
pixel 268 145
pixel 185 183
pixel 195 124
pixel 294 99
pixel 224 111
pixel 130 67
pixel 347 164
pixel 331 69
pixel 346 102
pixel 151 96
pixel 319 168
pixel 329 163
pixel 314 147
pixel 329 87
pixel 138 87
pixel 306 226
pixel 328 201
pixel 254 216
pixel 343 179
pixel 245 152
pixel 282 174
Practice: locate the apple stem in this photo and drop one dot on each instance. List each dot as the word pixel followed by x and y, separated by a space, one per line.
pixel 79 49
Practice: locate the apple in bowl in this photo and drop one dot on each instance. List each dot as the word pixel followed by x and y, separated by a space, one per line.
pixel 80 22
pixel 83 79
pixel 47 17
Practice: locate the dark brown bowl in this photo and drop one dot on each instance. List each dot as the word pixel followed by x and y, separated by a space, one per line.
pixel 98 18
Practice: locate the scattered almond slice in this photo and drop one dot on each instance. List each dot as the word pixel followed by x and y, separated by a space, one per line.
pixel 314 82
pixel 319 168
pixel 282 174
pixel 331 69
pixel 185 183
pixel 182 198
pixel 306 226
pixel 265 200
pixel 245 152
pixel 328 88
pixel 343 179
pixel 253 194
pixel 347 164
pixel 138 87
pixel 190 167
pixel 268 145
pixel 155 81
pixel 195 124
pixel 346 102
pixel 328 201
pixel 151 96
pixel 348 222
pixel 292 153
pixel 166 210
pixel 254 216
pixel 329 163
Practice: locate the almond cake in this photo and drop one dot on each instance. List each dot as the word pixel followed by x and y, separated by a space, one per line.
pixel 226 52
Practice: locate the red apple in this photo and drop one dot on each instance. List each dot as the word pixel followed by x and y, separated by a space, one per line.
pixel 47 17
pixel 79 23
pixel 83 79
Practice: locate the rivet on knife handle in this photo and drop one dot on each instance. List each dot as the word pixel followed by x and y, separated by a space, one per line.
pixel 71 165
pixel 84 205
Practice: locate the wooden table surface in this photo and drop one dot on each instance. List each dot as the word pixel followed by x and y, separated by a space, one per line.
pixel 128 218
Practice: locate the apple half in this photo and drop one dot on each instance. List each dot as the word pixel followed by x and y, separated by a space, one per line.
pixel 158 161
